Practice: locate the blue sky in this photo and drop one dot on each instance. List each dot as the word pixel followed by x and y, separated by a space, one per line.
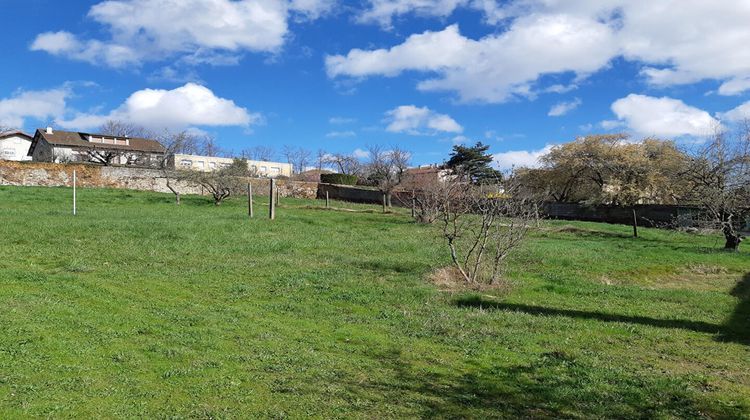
pixel 340 75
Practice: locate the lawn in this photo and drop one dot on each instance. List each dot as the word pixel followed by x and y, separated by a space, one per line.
pixel 139 308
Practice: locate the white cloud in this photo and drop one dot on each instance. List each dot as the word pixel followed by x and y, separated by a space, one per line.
pixel 494 68
pixel 563 108
pixel 520 158
pixel 185 106
pixel 735 86
pixel 611 124
pixel 739 113
pixel 679 41
pixel 360 154
pixel 334 134
pixel 40 105
pixel 154 30
pixel 663 117
pixel 341 120
pixel 415 120
pixel 383 11
pixel 312 9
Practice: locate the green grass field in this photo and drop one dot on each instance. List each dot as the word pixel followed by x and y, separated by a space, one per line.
pixel 139 308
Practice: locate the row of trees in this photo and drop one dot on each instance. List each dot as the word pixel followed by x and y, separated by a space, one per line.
pixel 614 169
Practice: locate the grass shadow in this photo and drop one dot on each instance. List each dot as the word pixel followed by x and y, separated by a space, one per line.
pixel 737 328
pixel 697 326
pixel 555 385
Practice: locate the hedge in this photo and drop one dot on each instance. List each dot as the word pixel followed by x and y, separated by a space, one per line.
pixel 340 179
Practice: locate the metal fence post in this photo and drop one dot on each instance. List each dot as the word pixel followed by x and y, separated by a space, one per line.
pixel 74 192
pixel 271 199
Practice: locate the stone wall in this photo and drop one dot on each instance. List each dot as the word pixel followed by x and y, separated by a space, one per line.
pixel 126 177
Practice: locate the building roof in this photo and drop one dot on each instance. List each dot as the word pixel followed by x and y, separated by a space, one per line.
pixel 14 133
pixel 424 170
pixel 79 139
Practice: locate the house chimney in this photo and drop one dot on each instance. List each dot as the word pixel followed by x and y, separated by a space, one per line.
pixel 49 130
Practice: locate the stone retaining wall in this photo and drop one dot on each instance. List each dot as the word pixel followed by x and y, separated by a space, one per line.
pixel 40 174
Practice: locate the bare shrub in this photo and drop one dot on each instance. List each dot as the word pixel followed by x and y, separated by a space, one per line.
pixel 483 225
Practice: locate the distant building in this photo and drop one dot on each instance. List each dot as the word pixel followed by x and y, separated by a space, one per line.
pixel 14 145
pixel 422 176
pixel 212 163
pixel 50 145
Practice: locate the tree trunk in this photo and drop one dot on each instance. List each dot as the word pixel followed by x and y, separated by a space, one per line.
pixel 635 224
pixel 733 239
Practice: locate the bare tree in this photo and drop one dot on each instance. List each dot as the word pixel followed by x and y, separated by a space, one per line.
pixel 261 153
pixel 107 157
pixel 208 146
pixel 719 176
pixel 176 143
pixel 298 157
pixel 122 128
pixel 222 183
pixel 428 196
pixel 345 164
pixel 482 226
pixel 321 159
pixel 386 168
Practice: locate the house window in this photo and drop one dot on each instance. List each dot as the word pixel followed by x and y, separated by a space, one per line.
pixel 263 169
pixel 275 170
pixel 186 163
pixel 200 164
pixel 212 165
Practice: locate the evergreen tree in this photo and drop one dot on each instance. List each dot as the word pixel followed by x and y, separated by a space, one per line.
pixel 474 161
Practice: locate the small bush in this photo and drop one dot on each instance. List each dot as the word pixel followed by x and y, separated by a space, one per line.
pixel 341 179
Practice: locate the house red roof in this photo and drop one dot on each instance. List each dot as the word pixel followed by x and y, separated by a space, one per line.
pixel 80 140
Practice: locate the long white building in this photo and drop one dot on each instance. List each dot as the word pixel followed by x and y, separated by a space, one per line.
pixel 212 163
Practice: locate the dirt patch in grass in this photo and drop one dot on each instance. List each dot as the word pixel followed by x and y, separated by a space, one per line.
pixel 580 231
pixel 449 279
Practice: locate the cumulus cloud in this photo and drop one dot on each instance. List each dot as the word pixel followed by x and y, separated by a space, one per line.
pixel 735 86
pixel 382 12
pixel 563 108
pixel 204 29
pixel 39 105
pixel 415 120
pixel 663 117
pixel 520 158
pixel 739 113
pixel 185 106
pixel 678 41
pixel 491 69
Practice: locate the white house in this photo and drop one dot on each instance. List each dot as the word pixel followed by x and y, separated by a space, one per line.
pixel 212 163
pixel 14 145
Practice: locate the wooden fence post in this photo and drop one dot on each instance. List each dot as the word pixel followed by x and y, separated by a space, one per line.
pixel 327 203
pixel 271 200
pixel 384 203
pixel 74 192
pixel 249 199
pixel 413 204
